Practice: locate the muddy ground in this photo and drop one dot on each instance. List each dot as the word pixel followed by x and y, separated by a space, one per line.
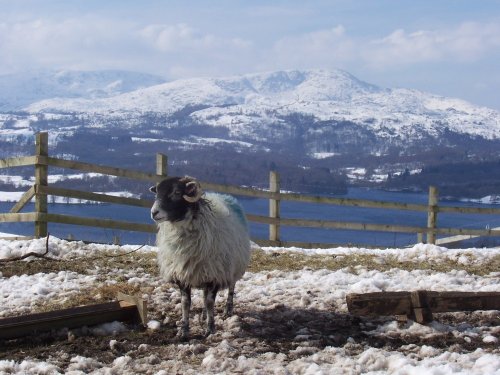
pixel 291 331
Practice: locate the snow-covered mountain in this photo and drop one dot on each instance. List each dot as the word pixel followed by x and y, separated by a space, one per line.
pixel 240 103
pixel 21 89
pixel 318 122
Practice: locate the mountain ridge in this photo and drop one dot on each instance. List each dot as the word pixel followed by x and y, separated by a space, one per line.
pixel 18 90
pixel 325 95
pixel 315 126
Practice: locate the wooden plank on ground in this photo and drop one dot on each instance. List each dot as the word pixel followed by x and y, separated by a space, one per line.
pixel 376 304
pixel 68 318
pixel 25 198
pixel 463 301
pixel 420 303
pixel 141 305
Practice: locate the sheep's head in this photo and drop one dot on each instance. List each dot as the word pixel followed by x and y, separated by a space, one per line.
pixel 175 196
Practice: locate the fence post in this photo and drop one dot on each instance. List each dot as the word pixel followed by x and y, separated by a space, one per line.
pixel 432 214
pixel 41 179
pixel 161 164
pixel 274 206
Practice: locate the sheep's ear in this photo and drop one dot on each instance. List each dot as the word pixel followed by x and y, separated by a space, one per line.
pixel 152 189
pixel 193 191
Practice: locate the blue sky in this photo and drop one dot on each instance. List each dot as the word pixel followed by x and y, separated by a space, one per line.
pixel 447 47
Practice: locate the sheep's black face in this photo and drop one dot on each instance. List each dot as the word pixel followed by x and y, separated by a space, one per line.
pixel 174 198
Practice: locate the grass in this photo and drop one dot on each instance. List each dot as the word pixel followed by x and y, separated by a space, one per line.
pixel 93 295
pixel 260 261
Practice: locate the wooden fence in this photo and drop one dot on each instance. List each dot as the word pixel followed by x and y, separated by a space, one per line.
pixel 41 217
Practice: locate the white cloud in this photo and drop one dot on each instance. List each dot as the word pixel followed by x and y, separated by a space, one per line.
pixel 468 42
pixel 90 42
pixel 83 42
pixel 321 48
pixel 335 47
pixel 179 50
pixel 171 38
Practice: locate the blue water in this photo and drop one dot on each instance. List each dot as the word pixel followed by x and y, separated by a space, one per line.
pixel 288 210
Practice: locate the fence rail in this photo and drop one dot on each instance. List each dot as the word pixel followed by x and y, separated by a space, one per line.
pixel 41 217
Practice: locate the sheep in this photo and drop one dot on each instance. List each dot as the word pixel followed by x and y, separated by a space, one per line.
pixel 203 243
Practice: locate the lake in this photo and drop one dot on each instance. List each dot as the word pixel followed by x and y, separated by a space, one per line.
pixel 288 210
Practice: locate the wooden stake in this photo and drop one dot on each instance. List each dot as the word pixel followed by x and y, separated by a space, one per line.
pixel 432 214
pixel 41 179
pixel 161 165
pixel 274 206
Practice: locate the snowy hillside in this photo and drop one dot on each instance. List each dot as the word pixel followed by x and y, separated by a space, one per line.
pixel 21 89
pixel 313 125
pixel 290 313
pixel 238 103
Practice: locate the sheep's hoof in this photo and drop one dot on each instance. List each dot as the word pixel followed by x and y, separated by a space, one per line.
pixel 209 331
pixel 183 335
pixel 203 317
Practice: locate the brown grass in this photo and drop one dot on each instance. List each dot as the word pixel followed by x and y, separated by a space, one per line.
pixel 262 261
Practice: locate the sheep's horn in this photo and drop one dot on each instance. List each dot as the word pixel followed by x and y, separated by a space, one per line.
pixel 198 190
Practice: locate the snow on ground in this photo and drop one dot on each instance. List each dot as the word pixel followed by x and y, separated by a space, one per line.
pixel 285 322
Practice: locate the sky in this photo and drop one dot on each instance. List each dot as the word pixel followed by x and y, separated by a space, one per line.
pixel 445 47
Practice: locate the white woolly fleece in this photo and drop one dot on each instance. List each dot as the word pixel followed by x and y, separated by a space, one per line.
pixel 214 247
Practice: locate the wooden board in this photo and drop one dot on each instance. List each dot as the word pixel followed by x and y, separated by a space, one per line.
pixel 420 305
pixel 20 326
pixel 87 167
pixel 102 223
pixel 127 309
pixel 17 162
pixel 97 197
pixel 25 198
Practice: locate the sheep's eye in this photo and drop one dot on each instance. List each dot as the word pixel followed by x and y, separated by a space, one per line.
pixel 177 192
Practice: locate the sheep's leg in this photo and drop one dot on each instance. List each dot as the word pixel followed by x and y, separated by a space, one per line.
pixel 209 294
pixel 203 317
pixel 186 307
pixel 229 302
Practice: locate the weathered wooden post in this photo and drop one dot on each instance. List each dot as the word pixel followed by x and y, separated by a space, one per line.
pixel 420 237
pixel 274 206
pixel 432 214
pixel 41 180
pixel 161 164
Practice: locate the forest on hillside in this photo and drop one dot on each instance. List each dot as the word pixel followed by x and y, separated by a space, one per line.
pixel 458 179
